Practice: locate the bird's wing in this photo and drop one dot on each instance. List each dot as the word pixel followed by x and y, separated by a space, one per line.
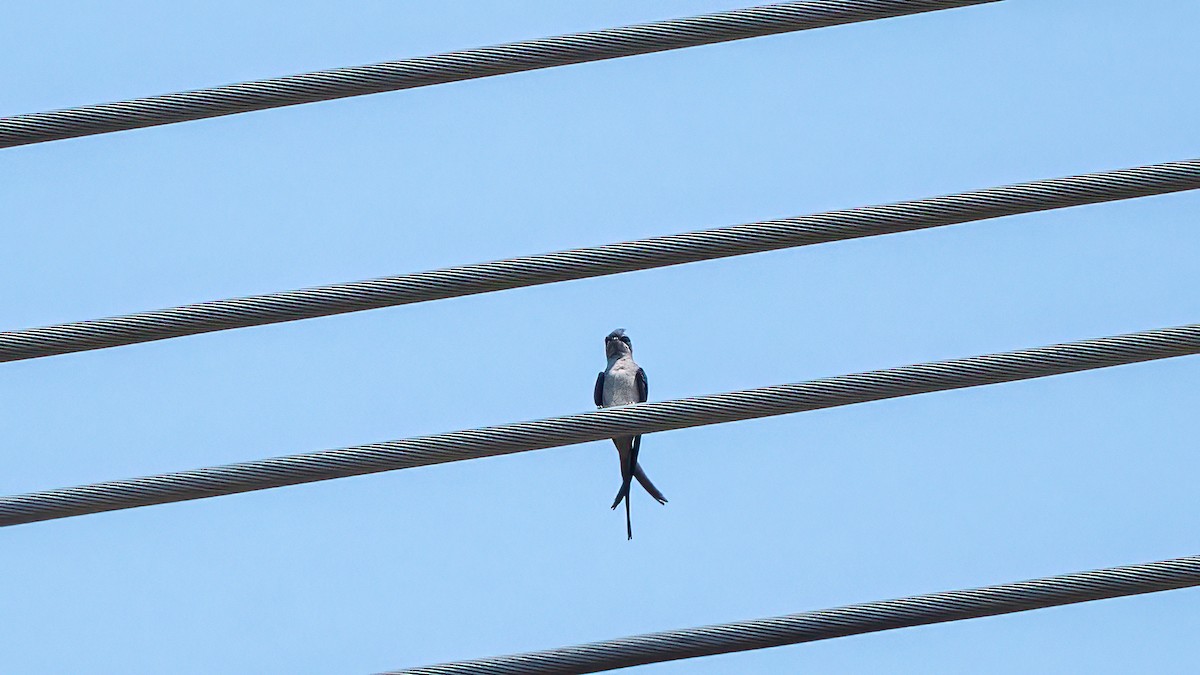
pixel 643 391
pixel 598 395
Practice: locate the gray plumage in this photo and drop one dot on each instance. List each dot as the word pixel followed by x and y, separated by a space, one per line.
pixel 621 383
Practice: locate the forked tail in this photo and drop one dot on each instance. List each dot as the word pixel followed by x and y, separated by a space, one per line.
pixel 629 461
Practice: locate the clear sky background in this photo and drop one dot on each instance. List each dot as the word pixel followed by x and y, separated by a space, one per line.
pixel 478 558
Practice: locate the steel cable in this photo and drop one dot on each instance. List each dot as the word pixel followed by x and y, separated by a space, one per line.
pixel 918 610
pixel 596 261
pixel 601 424
pixel 454 66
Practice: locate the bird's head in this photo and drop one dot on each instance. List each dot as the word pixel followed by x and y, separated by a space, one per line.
pixel 617 344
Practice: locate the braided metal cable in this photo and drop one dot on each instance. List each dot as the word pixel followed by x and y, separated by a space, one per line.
pixel 454 66
pixel 601 424
pixel 870 617
pixel 599 260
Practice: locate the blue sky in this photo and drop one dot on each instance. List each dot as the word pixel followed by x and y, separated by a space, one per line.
pixel 486 557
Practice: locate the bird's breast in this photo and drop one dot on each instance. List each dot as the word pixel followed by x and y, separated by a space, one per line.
pixel 620 386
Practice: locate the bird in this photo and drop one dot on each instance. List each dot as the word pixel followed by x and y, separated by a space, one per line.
pixel 624 382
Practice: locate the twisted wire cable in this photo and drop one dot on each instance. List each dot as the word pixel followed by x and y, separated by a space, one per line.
pixel 870 617
pixel 454 66
pixel 603 260
pixel 601 424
